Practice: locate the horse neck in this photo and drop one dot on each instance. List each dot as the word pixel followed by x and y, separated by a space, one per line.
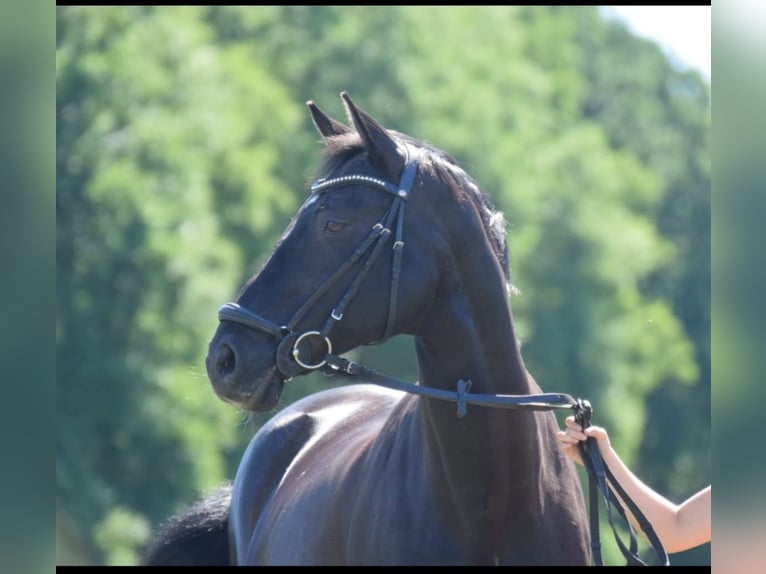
pixel 489 459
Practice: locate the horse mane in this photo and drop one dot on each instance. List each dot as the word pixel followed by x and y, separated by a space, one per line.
pixel 342 148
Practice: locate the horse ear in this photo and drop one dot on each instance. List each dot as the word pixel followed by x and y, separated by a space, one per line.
pixel 379 145
pixel 325 125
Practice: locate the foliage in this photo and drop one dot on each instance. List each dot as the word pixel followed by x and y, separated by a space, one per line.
pixel 183 148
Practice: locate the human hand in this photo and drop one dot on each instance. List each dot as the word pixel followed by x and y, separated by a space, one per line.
pixel 573 435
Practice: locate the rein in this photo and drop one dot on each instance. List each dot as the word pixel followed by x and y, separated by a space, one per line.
pixel 292 346
pixel 600 478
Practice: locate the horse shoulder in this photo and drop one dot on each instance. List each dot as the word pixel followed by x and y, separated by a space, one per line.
pixel 300 449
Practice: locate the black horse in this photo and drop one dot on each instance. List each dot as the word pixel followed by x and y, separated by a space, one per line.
pixel 394 238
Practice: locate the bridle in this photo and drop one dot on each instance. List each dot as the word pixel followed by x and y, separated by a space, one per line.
pixel 292 343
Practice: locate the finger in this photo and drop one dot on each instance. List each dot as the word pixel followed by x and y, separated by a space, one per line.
pixel 595 432
pixel 567 439
pixel 572 424
pixel 576 434
pixel 563 437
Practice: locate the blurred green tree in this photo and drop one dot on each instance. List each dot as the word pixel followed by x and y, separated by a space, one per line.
pixel 156 180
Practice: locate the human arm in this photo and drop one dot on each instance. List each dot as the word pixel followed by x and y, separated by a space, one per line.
pixel 679 526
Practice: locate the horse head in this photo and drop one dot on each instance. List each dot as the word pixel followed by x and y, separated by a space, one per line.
pixel 340 275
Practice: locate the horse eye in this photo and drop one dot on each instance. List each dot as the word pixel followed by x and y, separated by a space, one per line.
pixel 334 225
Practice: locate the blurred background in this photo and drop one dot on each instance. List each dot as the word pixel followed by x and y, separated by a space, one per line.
pixel 183 147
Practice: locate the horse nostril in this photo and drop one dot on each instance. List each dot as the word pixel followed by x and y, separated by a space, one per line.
pixel 225 361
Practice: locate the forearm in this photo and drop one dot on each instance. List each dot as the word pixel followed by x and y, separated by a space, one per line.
pixel 679 527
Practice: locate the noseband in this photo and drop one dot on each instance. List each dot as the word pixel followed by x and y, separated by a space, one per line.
pixel 294 347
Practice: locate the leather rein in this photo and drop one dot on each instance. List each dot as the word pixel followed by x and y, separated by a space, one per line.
pixel 294 346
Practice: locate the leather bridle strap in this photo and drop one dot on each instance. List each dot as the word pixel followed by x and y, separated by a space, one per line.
pixel 405 185
pixel 376 236
pixel 238 314
pixel 343 368
pixel 340 308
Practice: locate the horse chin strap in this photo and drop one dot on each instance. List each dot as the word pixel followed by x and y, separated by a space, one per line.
pixel 296 350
